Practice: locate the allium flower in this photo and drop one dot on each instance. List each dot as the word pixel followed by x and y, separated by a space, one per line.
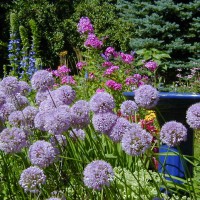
pixel 10 85
pixel 80 65
pixel 13 140
pixel 119 129
pixel 2 98
pixel 57 120
pixel 151 65
pixel 127 58
pixel 39 120
pixel 5 110
pixel 193 116
pixel 113 85
pixel 104 122
pixel 93 41
pixel 80 114
pixel 58 140
pixel 128 108
pixel 102 102
pixel 85 26
pixel 77 134
pixel 49 104
pixel 146 96
pixel 41 95
pixel 16 119
pixel 24 88
pixel 41 80
pixel 18 101
pixel 42 153
pixel 31 179
pixel 136 141
pixel 111 70
pixel 173 133
pixel 98 174
pixel 29 114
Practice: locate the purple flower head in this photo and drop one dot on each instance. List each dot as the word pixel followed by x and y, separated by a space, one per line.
pixel 29 114
pixel 111 70
pixel 42 153
pixel 127 58
pixel 5 110
pixel 2 98
pixel 80 114
pixel 42 80
pixel 49 104
pixel 58 141
pixel 40 120
pixel 57 120
pixel 41 95
pixel 76 134
pixel 13 140
pixel 103 122
pixel 10 85
pixel 24 88
pixel 18 101
pixel 119 129
pixel 128 108
pixel 102 102
pixel 85 26
pixel 16 119
pixel 146 96
pixel 151 65
pixel 98 174
pixel 107 64
pixel 31 179
pixel 193 116
pixel 113 85
pixel 136 140
pixel 80 65
pixel 173 133
pixel 110 51
pixel 68 80
pixel 100 90
pixel 93 41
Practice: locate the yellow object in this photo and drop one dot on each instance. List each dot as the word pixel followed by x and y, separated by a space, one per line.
pixel 151 115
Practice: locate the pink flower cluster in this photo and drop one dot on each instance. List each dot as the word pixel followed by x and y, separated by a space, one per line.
pixel 136 80
pixel 61 71
pixel 107 64
pixel 113 85
pixel 68 80
pixel 85 26
pixel 80 65
pixel 93 41
pixel 111 69
pixel 127 58
pixel 151 65
pixel 110 51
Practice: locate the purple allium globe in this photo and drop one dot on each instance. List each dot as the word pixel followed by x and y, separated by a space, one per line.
pixel 146 96
pixel 13 140
pixel 58 140
pixel 98 174
pixel 42 153
pixel 57 121
pixel 29 114
pixel 47 105
pixel 6 109
pixel 104 122
pixel 193 116
pixel 39 120
pixel 76 134
pixel 128 108
pixel 85 26
pixel 42 79
pixel 80 114
pixel 119 129
pixel 136 140
pixel 24 88
pixel 10 85
pixel 102 102
pixel 2 98
pixel 41 95
pixel 31 179
pixel 16 119
pixel 173 133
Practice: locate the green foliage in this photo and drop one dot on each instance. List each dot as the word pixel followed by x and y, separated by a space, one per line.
pixel 166 25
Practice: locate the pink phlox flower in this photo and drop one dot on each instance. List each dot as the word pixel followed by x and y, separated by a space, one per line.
pixel 91 75
pixel 55 73
pixel 151 65
pixel 107 64
pixel 68 80
pixel 110 51
pixel 111 69
pixel 127 58
pixel 85 26
pixel 93 41
pixel 100 90
pixel 113 85
pixel 63 69
pixel 80 65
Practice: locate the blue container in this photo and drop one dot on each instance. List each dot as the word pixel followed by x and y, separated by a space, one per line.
pixel 173 106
